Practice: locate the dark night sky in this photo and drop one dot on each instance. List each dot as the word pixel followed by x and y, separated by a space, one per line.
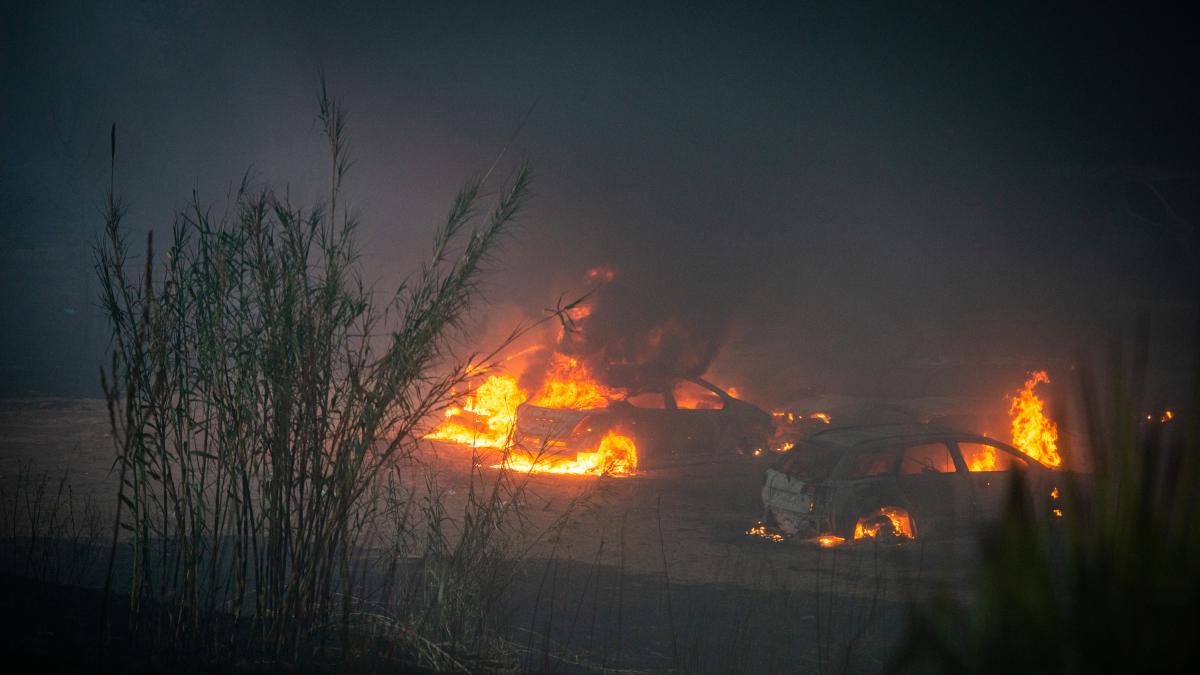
pixel 854 194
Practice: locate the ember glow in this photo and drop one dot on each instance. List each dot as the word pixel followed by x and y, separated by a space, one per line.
pixel 486 416
pixel 615 456
pixel 897 519
pixel 761 531
pixel 790 424
pixel 791 417
pixel 1032 432
pixel 1166 416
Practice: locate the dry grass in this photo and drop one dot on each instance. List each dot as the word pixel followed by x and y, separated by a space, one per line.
pixel 261 434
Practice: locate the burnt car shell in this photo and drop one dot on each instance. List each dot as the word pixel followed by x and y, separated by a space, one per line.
pixel 712 425
pixel 831 480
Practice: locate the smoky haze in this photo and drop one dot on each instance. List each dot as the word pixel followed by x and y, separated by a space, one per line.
pixel 798 199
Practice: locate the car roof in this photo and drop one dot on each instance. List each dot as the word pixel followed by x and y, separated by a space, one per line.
pixel 845 438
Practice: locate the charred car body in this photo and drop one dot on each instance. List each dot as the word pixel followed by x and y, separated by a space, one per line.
pixel 898 480
pixel 688 422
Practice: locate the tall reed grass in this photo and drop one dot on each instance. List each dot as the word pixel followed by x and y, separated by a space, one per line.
pixel 260 430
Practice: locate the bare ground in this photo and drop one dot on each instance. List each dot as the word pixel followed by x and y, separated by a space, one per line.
pixel 652 572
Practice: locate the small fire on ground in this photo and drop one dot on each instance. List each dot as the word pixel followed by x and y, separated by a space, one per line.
pixel 760 530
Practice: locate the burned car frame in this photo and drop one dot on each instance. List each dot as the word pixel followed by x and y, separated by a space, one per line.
pixel 690 421
pixel 898 481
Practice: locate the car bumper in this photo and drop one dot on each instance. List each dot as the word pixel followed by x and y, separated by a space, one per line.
pixel 796 523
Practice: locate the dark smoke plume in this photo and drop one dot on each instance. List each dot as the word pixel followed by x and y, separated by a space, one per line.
pixel 633 339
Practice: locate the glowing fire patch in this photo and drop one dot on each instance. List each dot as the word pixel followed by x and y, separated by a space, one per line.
pixel 485 417
pixel 616 455
pixel 888 521
pixel 570 384
pixel 761 531
pixel 983 460
pixel 791 417
pixel 1032 432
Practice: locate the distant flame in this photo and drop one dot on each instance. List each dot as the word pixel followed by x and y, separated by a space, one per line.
pixel 1032 432
pixel 616 456
pixel 601 274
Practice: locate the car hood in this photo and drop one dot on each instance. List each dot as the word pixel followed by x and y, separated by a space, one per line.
pixel 535 422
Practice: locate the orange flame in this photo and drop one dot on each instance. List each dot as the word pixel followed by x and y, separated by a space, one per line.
pixel 570 384
pixel 870 526
pixel 1032 432
pixel 983 460
pixel 615 456
pixel 492 409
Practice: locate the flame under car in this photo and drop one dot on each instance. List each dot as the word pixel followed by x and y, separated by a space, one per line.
pixel 898 481
pixel 691 421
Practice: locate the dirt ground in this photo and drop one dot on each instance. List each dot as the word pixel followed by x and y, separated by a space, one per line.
pixel 648 572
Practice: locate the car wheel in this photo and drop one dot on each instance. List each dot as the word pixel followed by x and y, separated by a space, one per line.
pixel 887 524
pixel 749 447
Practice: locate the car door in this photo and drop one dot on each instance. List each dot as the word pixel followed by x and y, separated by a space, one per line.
pixel 696 422
pixel 989 466
pixel 647 416
pixel 867 482
pixel 936 492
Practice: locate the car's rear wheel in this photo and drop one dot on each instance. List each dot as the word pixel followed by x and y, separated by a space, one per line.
pixel 750 447
pixel 768 518
pixel 887 524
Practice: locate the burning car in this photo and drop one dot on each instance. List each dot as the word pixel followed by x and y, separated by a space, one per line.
pixel 897 481
pixel 687 422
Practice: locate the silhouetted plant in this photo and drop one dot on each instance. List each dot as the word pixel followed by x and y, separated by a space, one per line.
pixel 1111 588
pixel 259 400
